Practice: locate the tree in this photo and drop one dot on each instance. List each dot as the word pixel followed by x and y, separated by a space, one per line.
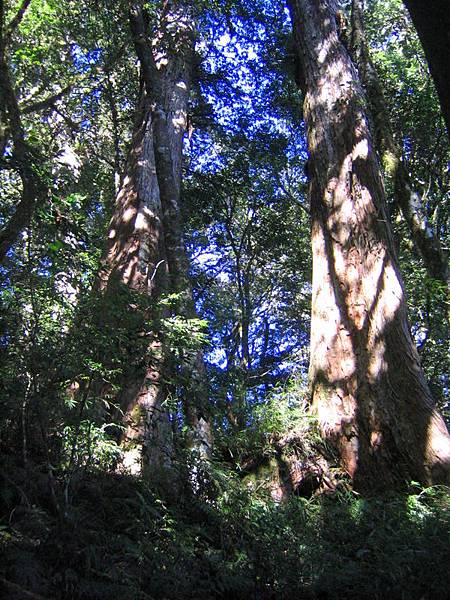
pixel 368 388
pixel 25 158
pixel 432 22
pixel 407 198
pixel 145 249
pixel 249 284
pixel 419 134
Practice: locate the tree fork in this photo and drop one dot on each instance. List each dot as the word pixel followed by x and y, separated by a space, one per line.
pixel 168 90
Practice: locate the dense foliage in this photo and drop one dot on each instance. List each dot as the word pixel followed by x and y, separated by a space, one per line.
pixel 72 525
pixel 124 537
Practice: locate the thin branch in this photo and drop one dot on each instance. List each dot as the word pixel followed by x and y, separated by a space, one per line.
pixel 156 269
pixel 291 196
pixel 46 103
pixel 70 122
pixel 15 21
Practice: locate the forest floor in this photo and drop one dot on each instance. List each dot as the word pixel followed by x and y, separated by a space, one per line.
pixel 104 536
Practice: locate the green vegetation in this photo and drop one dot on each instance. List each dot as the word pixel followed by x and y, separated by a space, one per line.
pixel 121 536
pixel 114 342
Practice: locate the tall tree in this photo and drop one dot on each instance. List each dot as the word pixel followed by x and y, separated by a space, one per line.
pixel 368 387
pixel 408 199
pixel 432 21
pixel 145 240
pixel 135 257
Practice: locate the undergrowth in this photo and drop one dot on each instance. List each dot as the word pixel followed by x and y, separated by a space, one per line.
pixel 118 536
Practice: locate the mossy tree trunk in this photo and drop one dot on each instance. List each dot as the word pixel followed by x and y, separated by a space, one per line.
pixel 135 257
pixel 407 198
pixel 166 63
pixel 145 247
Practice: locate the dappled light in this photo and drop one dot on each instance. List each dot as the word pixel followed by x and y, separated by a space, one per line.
pixel 358 301
pixel 224 285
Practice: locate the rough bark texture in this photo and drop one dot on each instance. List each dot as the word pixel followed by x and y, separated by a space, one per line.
pixel 167 71
pixel 368 388
pixel 145 247
pixel 135 242
pixel 135 257
pixel 432 22
pixel 407 198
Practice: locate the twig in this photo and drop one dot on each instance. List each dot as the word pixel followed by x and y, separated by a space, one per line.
pixel 21 590
pixel 155 269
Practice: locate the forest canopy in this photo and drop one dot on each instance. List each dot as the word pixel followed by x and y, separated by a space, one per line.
pixel 224 299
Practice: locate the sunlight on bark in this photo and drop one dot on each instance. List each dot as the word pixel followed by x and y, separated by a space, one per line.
pixel 144 219
pixel 179 122
pixel 132 461
pixel 128 215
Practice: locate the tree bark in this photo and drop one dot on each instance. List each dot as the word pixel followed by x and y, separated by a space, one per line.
pixel 145 248
pixel 167 76
pixel 368 389
pixel 432 22
pixel 26 159
pixel 135 257
pixel 407 198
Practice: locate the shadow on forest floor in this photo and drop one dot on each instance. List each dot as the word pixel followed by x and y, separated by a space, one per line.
pixel 122 538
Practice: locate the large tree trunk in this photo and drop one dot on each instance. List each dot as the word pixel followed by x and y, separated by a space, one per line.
pixel 368 388
pixel 167 76
pixel 432 22
pixel 145 248
pixel 406 197
pixel 135 257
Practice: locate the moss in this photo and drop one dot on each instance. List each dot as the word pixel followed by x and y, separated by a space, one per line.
pixel 138 414
pixel 265 472
pixel 390 163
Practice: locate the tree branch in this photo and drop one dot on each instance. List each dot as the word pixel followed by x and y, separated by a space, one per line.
pixel 143 49
pixel 46 103
pixel 33 188
pixel 408 199
pixel 15 22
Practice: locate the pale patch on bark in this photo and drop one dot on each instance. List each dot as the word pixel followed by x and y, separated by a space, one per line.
pixel 179 121
pixel 128 215
pixel 377 363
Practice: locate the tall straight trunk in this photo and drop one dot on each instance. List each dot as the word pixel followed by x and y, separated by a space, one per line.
pixel 135 257
pixel 145 248
pixel 407 198
pixel 432 22
pixel 167 70
pixel 368 388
